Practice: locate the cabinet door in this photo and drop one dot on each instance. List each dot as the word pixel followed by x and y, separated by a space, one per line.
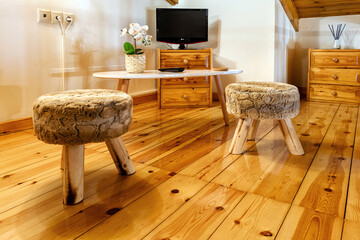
pixel 335 76
pixel 185 97
pixel 185 82
pixel 335 59
pixel 186 60
pixel 335 93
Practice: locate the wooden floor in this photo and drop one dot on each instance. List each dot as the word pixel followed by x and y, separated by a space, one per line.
pixel 187 186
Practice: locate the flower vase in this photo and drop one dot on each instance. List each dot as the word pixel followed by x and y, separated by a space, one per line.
pixel 135 63
pixel 336 44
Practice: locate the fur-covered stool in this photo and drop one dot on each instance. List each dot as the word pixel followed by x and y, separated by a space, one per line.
pixel 73 118
pixel 253 101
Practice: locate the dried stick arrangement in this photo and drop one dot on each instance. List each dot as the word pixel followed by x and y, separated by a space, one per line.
pixel 339 30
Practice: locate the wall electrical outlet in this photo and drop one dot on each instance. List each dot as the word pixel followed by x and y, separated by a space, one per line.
pixel 68 17
pixel 55 14
pixel 43 16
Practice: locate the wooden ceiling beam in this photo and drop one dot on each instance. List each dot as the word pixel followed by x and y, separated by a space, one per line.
pixel 173 2
pixel 291 12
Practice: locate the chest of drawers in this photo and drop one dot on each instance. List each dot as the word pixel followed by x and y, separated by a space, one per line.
pixel 187 91
pixel 334 75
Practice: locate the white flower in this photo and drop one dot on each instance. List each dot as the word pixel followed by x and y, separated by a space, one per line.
pixel 148 38
pixel 134 25
pixel 133 31
pixel 139 37
pixel 123 31
pixel 143 29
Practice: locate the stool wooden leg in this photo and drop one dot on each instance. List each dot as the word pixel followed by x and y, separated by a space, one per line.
pixel 73 176
pixel 253 129
pixel 241 137
pixel 238 127
pixel 292 141
pixel 62 158
pixel 120 156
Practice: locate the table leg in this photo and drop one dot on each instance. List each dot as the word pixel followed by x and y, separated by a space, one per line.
pixel 123 85
pixel 221 95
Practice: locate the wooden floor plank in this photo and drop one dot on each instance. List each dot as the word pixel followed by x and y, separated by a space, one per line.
pixel 156 149
pixel 172 122
pixel 210 165
pixel 45 180
pixel 162 149
pixel 200 216
pixel 143 215
pixel 188 154
pixel 302 223
pixel 16 139
pixel 351 230
pixel 187 185
pixel 247 169
pixel 160 133
pixel 269 169
pixel 28 154
pixel 353 200
pixel 255 217
pixel 324 188
pixel 106 192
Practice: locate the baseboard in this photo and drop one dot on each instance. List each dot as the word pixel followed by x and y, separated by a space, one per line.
pixel 145 98
pixel 26 123
pixel 215 96
pixel 303 92
pixel 16 125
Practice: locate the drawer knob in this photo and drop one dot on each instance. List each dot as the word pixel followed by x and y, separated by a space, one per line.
pixel 357 78
pixel 336 60
pixel 185 61
pixel 186 79
pixel 335 77
pixel 186 97
pixel 334 93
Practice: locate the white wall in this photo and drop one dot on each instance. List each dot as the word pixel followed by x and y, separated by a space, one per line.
pixel 284 46
pixel 241 35
pixel 30 52
pixel 314 33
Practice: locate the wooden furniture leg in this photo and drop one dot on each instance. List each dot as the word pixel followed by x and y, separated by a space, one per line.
pixel 62 158
pixel 242 137
pixel 123 85
pixel 253 129
pixel 221 95
pixel 238 127
pixel 120 156
pixel 292 141
pixel 73 176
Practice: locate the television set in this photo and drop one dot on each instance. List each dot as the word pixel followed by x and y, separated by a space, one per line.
pixel 181 25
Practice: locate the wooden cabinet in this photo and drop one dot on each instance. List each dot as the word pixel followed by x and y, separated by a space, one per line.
pixel 334 75
pixel 187 91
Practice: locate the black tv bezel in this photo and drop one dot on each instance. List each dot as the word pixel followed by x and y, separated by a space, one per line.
pixel 184 40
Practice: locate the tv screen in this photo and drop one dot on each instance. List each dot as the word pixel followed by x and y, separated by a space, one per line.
pixel 181 25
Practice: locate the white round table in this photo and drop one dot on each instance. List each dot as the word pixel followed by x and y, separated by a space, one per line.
pixel 124 80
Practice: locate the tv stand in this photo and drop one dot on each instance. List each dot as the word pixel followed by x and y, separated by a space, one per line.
pixel 182 46
pixel 185 91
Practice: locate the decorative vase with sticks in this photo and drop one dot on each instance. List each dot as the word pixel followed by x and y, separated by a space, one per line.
pixel 337 34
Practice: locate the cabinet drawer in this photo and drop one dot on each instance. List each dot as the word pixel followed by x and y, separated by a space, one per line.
pixel 185 97
pixel 335 93
pixel 185 82
pixel 185 60
pixel 335 59
pixel 335 76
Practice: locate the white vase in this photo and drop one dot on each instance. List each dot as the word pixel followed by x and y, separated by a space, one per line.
pixel 336 44
pixel 135 63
